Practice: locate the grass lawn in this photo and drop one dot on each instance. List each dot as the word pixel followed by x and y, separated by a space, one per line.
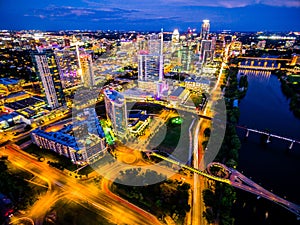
pixel 176 136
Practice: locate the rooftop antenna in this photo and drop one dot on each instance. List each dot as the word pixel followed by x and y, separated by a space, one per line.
pixel 161 60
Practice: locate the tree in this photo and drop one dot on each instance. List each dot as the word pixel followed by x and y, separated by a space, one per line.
pixel 207 132
pixel 204 144
pixel 209 215
pixel 209 198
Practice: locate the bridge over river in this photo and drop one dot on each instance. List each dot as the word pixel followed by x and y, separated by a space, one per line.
pixel 261 63
pixel 236 179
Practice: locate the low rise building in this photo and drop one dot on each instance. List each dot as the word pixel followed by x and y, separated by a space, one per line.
pixel 83 142
pixel 200 84
pixel 179 96
pixel 138 120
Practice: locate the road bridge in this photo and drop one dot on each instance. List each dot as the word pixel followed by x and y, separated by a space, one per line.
pixel 270 135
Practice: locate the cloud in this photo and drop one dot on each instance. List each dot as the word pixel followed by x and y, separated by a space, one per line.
pixel 121 14
pixel 69 12
pixel 287 3
pixel 234 3
pixel 208 3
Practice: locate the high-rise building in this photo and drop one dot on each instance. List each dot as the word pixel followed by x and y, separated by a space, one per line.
pixel 87 73
pixel 67 42
pixel 205 30
pixel 185 57
pixel 148 67
pixel 151 65
pixel 48 72
pixel 175 43
pixel 116 111
pixel 154 44
pixel 206 52
pixel 141 43
pixel 175 36
pixel 68 67
pixel 261 44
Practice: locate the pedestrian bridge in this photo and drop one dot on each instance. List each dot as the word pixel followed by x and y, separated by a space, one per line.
pixel 234 178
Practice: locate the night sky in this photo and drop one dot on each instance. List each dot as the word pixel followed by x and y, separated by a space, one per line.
pixel 243 15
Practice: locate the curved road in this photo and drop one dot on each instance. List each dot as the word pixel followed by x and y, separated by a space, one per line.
pixel 111 204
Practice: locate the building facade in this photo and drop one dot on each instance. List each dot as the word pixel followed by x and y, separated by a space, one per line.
pixel 47 69
pixel 83 142
pixel 87 73
pixel 116 111
pixel 206 52
pixel 68 67
pixel 205 29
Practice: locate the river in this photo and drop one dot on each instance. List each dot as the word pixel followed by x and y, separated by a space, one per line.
pixel 272 166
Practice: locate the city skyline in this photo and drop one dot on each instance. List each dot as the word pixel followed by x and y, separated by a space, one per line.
pixel 244 15
pixel 127 128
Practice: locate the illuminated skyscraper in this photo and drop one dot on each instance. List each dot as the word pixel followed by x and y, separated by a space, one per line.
pixel 185 57
pixel 206 52
pixel 48 71
pixel 154 44
pixel 148 67
pixel 75 42
pixel 87 73
pixel 161 56
pixel 116 111
pixel 175 36
pixel 151 65
pixel 68 67
pixel 205 30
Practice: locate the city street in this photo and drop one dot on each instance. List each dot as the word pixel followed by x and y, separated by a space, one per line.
pixel 108 203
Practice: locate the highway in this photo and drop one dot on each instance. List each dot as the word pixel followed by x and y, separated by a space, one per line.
pixel 198 206
pixel 126 213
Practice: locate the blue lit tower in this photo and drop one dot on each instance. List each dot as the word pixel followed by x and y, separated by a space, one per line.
pixel 116 111
pixel 47 69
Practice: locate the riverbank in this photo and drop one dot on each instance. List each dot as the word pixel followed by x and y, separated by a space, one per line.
pixel 290 86
pixel 272 166
pixel 220 198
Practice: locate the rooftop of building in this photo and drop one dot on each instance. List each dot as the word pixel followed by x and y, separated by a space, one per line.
pixel 177 92
pixel 8 81
pixel 141 116
pixel 114 96
pixel 7 117
pixel 137 92
pixel 16 94
pixel 21 104
pixel 59 137
pixel 65 136
pixel 201 80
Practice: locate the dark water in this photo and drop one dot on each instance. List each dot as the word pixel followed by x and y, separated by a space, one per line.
pixel 272 166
